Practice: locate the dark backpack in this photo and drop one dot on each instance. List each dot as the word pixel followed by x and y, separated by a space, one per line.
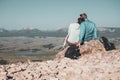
pixel 72 52
pixel 108 46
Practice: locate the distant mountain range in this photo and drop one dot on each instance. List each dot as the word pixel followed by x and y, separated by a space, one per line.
pixel 31 33
pixel 109 32
pixel 102 31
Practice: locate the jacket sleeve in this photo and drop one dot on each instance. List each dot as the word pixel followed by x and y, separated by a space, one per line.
pixel 95 33
pixel 82 32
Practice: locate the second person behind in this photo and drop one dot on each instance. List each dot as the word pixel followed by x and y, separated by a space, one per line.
pixel 73 35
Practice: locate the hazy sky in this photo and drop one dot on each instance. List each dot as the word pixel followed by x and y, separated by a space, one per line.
pixel 55 14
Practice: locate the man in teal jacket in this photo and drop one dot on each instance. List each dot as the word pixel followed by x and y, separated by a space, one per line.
pixel 88 30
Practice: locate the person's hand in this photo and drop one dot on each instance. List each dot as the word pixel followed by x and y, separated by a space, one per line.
pixel 63 46
pixel 78 45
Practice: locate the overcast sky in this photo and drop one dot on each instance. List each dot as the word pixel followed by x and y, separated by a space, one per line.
pixel 55 14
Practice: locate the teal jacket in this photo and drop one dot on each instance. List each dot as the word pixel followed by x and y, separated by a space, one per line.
pixel 88 31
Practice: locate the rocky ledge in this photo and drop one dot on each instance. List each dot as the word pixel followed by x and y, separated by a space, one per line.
pixel 94 64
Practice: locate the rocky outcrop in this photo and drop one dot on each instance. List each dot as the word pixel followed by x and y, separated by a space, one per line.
pixel 88 48
pixel 94 64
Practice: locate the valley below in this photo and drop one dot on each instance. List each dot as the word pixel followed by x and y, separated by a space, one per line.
pixel 36 45
pixel 21 49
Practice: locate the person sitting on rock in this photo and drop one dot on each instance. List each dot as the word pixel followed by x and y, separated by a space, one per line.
pixel 88 30
pixel 73 33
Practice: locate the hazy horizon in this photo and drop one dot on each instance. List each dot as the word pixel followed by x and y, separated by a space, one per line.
pixel 52 15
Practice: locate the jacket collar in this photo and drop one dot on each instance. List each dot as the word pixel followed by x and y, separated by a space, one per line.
pixel 86 19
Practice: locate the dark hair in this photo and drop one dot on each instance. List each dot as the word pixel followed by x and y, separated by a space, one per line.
pixel 83 14
pixel 80 20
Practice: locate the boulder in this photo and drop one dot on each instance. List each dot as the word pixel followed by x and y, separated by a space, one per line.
pixel 87 48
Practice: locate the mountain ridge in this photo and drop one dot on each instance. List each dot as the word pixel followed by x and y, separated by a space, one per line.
pixel 106 31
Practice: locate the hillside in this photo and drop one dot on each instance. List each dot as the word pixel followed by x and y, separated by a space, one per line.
pixel 31 33
pixel 94 64
pixel 106 31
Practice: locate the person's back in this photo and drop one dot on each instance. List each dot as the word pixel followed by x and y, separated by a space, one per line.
pixel 73 32
pixel 73 35
pixel 88 31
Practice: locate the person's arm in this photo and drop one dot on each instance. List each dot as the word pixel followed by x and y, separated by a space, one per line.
pixel 95 33
pixel 66 38
pixel 82 32
pixel 65 41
